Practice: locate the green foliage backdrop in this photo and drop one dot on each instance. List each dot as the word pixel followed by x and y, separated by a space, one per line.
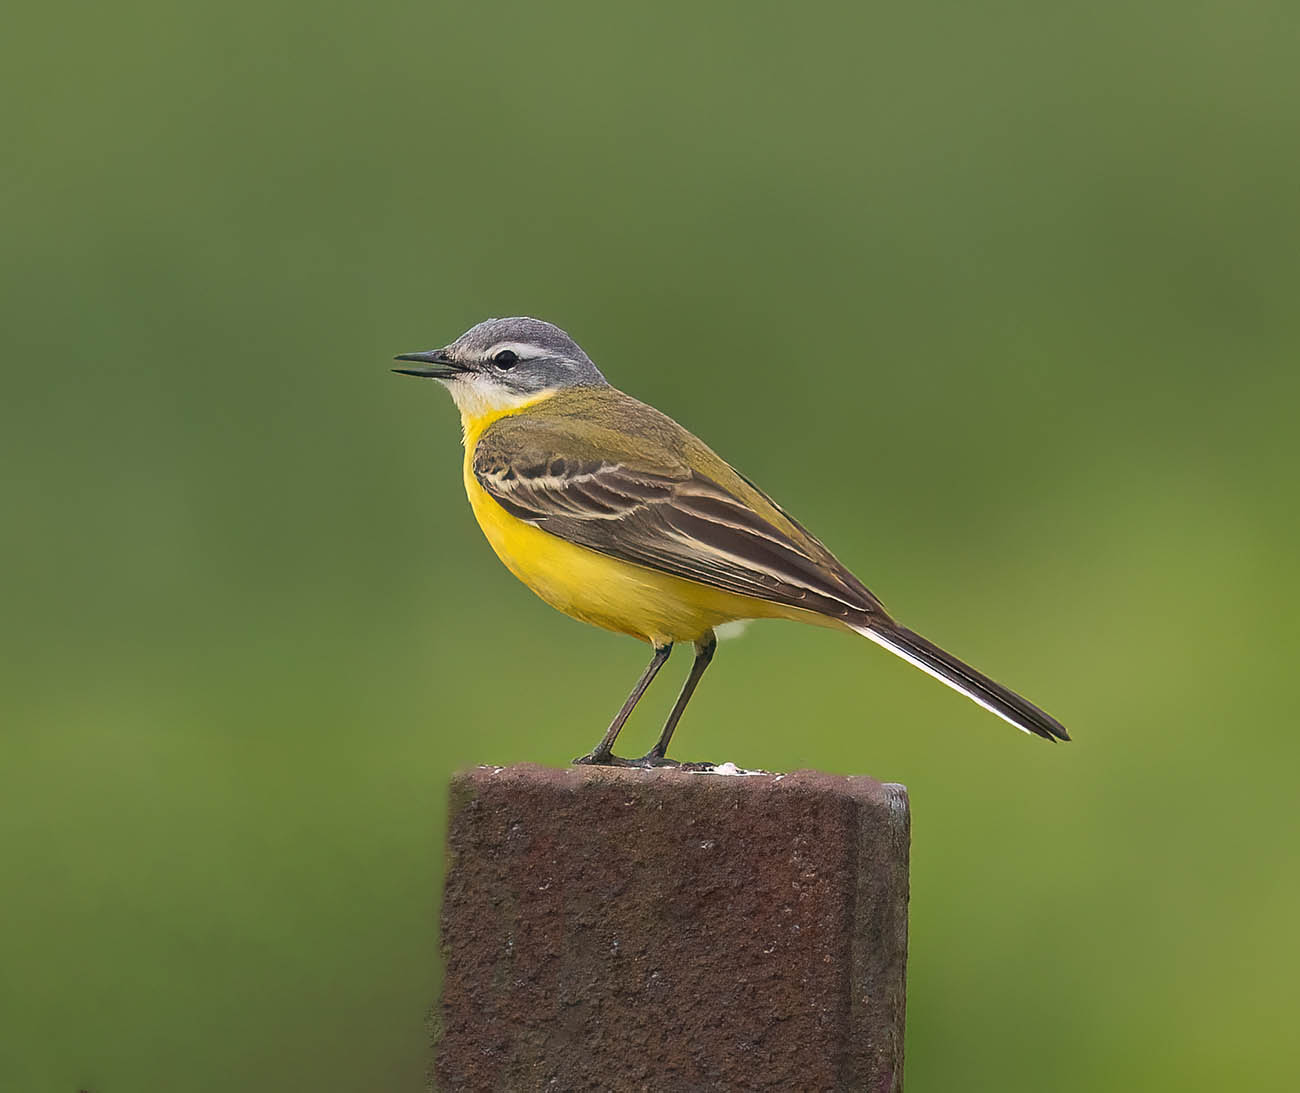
pixel 999 299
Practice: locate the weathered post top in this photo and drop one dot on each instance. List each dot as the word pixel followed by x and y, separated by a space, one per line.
pixel 621 929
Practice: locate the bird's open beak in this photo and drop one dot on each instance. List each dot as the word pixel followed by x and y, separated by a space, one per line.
pixel 434 364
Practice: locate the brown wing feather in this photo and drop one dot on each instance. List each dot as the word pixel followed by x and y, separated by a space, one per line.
pixel 647 504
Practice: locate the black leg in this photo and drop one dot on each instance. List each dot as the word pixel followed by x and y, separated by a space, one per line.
pixel 703 654
pixel 603 753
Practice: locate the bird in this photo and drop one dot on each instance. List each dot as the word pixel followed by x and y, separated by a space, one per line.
pixel 616 515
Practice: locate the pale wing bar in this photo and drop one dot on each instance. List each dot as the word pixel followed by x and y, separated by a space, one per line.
pixel 687 526
pixel 591 490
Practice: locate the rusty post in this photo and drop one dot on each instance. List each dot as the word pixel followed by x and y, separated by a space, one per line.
pixel 621 929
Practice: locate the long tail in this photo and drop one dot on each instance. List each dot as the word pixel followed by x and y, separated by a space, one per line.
pixel 976 686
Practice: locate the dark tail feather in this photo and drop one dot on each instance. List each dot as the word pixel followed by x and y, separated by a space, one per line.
pixel 962 677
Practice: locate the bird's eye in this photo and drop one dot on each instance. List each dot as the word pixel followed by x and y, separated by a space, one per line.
pixel 507 358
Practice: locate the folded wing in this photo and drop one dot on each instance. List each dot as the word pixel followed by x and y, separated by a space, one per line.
pixel 668 518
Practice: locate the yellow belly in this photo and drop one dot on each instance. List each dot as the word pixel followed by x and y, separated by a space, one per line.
pixel 600 590
pixel 603 591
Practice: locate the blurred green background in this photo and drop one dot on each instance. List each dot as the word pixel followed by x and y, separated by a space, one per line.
pixel 999 299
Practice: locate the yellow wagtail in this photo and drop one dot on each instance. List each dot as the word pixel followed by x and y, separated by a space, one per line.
pixel 613 513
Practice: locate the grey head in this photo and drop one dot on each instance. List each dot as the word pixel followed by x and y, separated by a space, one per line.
pixel 501 361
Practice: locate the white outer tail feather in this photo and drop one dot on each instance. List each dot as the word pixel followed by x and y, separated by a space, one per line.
pixel 883 641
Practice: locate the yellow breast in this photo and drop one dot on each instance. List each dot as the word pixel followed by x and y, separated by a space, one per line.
pixel 597 589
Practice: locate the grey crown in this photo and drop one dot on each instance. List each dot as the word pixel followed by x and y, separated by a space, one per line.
pixel 563 363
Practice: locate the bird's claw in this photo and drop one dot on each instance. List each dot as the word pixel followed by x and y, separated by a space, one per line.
pixel 649 761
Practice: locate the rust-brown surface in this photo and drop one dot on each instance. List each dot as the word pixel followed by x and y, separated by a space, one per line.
pixel 625 930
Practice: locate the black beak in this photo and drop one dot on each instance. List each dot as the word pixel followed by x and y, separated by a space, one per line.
pixel 435 364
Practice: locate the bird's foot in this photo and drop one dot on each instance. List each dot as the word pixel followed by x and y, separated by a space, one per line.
pixel 649 761
pixel 599 759
pixel 652 760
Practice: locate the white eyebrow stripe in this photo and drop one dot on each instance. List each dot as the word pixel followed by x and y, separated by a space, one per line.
pixel 523 350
